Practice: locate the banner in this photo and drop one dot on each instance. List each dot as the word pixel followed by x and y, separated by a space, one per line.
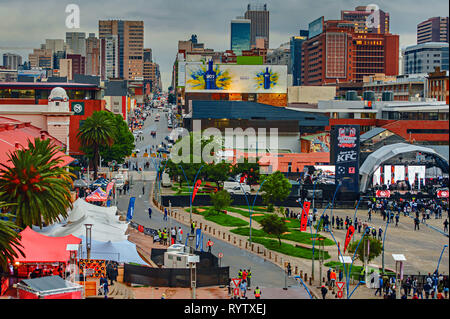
pixel 109 188
pixel 350 232
pixel 304 219
pixel 198 234
pixel 131 209
pixel 383 194
pixel 442 194
pixel 233 78
pixel 345 155
pixel 197 185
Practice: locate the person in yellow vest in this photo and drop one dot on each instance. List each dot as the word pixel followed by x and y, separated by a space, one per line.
pixel 257 293
pixel 240 274
pixel 249 278
pixel 165 237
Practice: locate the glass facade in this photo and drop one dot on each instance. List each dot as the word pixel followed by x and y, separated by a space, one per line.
pixel 240 36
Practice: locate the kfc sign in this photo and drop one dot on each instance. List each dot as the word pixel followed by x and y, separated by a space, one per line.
pixel 442 194
pixel 347 137
pixel 383 194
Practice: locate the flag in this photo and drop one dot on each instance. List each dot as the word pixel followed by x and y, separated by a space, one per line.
pixel 131 208
pixel 109 187
pixel 350 232
pixel 201 244
pixel 197 238
pixel 243 178
pixel 197 185
pixel 304 219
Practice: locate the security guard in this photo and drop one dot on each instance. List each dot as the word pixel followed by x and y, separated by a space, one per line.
pixel 240 274
pixel 249 277
pixel 257 293
pixel 362 274
pixel 165 236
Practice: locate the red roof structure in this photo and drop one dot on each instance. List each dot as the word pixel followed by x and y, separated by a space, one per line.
pixel 39 248
pixel 15 134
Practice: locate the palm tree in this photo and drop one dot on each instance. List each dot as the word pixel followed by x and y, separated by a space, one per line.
pixel 96 130
pixel 36 184
pixel 9 240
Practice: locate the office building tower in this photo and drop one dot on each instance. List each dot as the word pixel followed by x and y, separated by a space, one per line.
pixel 433 30
pixel 78 63
pixel 336 53
pixel 130 35
pixel 296 57
pixel 259 17
pixel 425 57
pixel 11 61
pixel 76 43
pixel 240 35
pixel 148 56
pixel 109 57
pixel 367 20
pixel 56 45
pixel 41 58
pixel 92 55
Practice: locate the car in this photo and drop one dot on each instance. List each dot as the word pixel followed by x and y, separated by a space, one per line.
pixel 237 190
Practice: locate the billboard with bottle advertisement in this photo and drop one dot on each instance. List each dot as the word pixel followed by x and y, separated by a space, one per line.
pixel 232 78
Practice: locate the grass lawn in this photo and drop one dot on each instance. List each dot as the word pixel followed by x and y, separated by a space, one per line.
pixel 256 208
pixel 288 249
pixel 356 270
pixel 219 218
pixel 295 235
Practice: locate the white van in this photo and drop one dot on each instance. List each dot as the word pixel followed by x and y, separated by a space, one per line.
pixel 166 182
pixel 236 188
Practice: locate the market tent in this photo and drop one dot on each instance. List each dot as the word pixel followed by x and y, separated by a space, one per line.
pixel 49 287
pixel 99 195
pixel 41 248
pixel 106 224
pixel 122 252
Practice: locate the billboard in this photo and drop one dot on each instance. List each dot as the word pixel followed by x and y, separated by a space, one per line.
pixel 232 78
pixel 316 27
pixel 345 156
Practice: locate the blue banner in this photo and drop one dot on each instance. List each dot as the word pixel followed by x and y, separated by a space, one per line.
pixel 131 209
pixel 108 203
pixel 197 238
pixel 201 245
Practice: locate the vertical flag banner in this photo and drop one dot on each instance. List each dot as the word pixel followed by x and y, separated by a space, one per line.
pixel 109 187
pixel 197 185
pixel 201 244
pixel 304 219
pixel 198 233
pixel 350 232
pixel 130 208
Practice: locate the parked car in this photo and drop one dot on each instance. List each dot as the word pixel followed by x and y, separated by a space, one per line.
pixel 238 190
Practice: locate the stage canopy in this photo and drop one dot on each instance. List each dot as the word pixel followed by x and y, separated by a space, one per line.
pixel 122 252
pixel 39 248
pixel 387 152
pixel 106 225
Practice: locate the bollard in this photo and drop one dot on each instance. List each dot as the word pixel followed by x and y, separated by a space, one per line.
pixel 306 276
pixel 209 231
pixel 301 273
pixel 229 238
pixel 310 281
pixel 265 252
pixel 240 243
pixel 253 246
pixel 276 257
pixel 234 240
pixel 246 245
pixel 214 231
pixel 296 270
pixel 224 235
pixel 270 254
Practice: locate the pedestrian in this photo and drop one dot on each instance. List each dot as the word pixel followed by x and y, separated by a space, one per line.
pixel 243 287
pixel 445 226
pixel 289 269
pixel 341 274
pixel 209 244
pixel 324 291
pixel 380 285
pixel 240 274
pixel 370 216
pixel 257 293
pixel 109 272
pixel 333 278
pixel 150 213
pixel 427 288
pixel 416 223
pixel 397 217
pixel 174 235
pixel 143 189
pixel 165 214
pixel 380 232
pixel 192 227
pixel 249 277
pixel 180 235
pixel 104 285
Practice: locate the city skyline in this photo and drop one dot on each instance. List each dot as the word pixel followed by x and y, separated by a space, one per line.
pixel 163 21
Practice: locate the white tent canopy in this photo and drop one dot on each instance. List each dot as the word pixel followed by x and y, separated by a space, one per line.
pixel 383 154
pixel 106 224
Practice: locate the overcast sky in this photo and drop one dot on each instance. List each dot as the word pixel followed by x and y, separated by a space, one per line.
pixel 27 23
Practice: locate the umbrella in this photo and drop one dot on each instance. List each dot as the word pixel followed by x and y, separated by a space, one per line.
pixel 80 183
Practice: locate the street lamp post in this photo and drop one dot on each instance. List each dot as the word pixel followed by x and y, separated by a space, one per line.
pixel 437 271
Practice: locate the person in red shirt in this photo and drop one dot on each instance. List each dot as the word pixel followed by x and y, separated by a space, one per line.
pixel 244 275
pixel 415 296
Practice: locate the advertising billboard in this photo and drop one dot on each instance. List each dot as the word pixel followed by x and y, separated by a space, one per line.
pixel 345 156
pixel 316 27
pixel 232 78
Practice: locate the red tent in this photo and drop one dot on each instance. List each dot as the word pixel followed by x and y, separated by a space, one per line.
pixel 39 248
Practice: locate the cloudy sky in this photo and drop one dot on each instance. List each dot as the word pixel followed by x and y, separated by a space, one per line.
pixel 27 23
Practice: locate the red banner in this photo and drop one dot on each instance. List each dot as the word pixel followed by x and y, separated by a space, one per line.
pixel 442 194
pixel 350 232
pixel 383 194
pixel 304 219
pixel 197 185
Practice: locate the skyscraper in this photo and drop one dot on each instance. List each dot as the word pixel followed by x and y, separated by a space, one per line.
pixel 367 20
pixel 92 55
pixel 433 30
pixel 240 35
pixel 130 35
pixel 296 57
pixel 109 57
pixel 76 43
pixel 11 61
pixel 259 16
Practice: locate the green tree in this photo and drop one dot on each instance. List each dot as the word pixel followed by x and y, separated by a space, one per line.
pixel 9 239
pixel 221 200
pixel 375 249
pixel 36 184
pixel 276 188
pixel 274 225
pixel 96 131
pixel 218 173
pixel 123 141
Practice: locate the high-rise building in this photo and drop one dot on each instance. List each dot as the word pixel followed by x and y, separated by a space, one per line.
pixel 259 17
pixel 110 57
pixel 65 69
pixel 130 35
pixel 280 56
pixel 433 30
pixel 11 61
pixel 367 19
pixel 296 57
pixel 76 43
pixel 148 55
pixel 336 53
pixel 240 35
pixel 41 58
pixel 78 63
pixel 425 57
pixel 56 45
pixel 93 55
